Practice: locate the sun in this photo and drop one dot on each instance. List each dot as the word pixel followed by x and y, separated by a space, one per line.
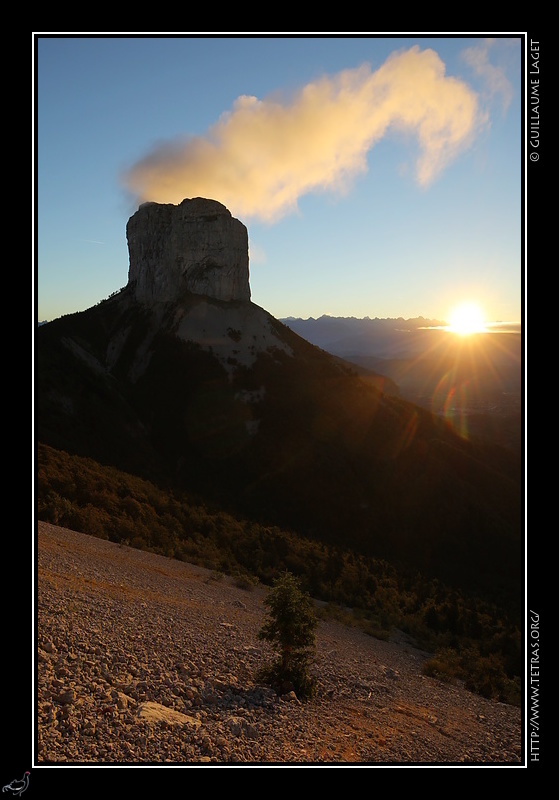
pixel 466 318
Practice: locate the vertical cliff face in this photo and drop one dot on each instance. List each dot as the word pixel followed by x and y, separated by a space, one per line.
pixel 196 246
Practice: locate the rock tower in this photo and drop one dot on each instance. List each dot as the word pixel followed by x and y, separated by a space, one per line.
pixel 196 246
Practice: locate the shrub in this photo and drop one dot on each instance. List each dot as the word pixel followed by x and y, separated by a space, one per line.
pixel 290 629
pixel 245 581
pixel 444 666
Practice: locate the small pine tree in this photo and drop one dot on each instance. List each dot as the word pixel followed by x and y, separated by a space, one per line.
pixel 290 629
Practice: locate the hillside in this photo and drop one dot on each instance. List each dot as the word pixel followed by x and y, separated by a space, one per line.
pixel 291 438
pixel 143 659
pixel 475 635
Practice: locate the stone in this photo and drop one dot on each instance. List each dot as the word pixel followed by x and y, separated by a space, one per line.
pixel 156 713
pixel 196 246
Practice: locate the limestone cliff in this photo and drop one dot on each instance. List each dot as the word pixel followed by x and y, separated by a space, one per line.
pixel 196 246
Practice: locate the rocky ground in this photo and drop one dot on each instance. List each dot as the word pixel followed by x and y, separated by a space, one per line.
pixel 146 660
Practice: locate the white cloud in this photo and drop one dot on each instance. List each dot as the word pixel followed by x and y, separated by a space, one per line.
pixel 261 156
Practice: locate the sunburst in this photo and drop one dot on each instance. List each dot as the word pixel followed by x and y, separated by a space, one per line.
pixel 466 319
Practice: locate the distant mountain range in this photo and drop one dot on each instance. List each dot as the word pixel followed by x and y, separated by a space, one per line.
pixel 385 338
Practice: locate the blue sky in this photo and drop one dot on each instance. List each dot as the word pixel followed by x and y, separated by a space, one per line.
pixel 378 176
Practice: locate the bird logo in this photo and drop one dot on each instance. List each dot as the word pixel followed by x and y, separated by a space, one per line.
pixel 17 787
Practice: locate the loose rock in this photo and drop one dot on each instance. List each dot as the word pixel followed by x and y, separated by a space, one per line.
pixel 136 666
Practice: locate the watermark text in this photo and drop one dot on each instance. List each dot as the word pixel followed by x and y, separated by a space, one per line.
pixel 534 687
pixel 534 99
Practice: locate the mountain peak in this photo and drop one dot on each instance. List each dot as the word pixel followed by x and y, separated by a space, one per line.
pixel 195 246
